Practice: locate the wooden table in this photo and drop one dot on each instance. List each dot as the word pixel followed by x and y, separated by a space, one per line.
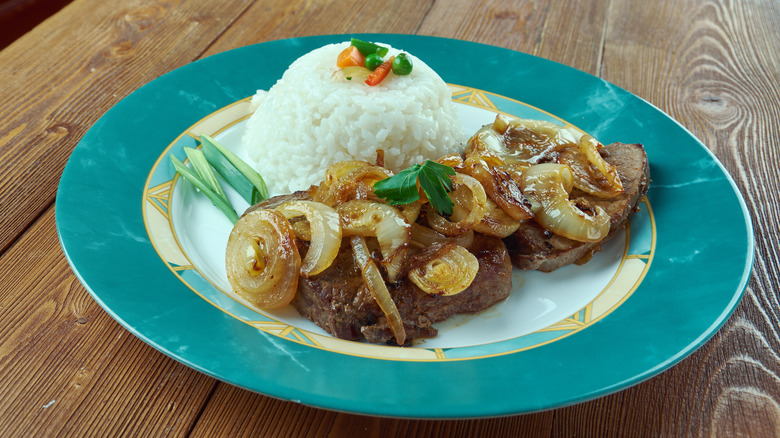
pixel 67 368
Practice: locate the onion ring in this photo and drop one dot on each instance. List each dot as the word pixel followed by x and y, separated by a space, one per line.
pixel 475 209
pixel 262 260
pixel 449 270
pixel 423 237
pixel 548 186
pixel 590 147
pixel 325 231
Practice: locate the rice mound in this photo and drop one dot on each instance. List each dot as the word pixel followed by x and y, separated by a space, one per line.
pixel 313 117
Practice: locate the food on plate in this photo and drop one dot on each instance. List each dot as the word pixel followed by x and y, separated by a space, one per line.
pixel 581 192
pixel 319 113
pixel 355 297
pixel 386 220
pixel 386 255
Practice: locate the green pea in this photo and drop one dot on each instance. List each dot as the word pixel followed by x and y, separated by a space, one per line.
pixel 373 61
pixel 402 65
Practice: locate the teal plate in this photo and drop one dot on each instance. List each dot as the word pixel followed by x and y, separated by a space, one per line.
pixel 691 248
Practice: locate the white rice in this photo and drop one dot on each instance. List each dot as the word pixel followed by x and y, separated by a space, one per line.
pixel 312 117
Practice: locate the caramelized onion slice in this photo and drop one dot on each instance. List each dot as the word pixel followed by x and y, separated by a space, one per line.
pixel 497 222
pixel 473 204
pixel 411 211
pixel 520 141
pixel 548 186
pixel 334 173
pixel 448 271
pixel 582 175
pixel 356 184
pixel 325 230
pixel 453 160
pixel 368 218
pixel 378 288
pixel 502 185
pixel 262 261
pixel 424 237
pixel 590 147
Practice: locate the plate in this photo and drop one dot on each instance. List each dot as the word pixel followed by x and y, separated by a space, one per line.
pixel 686 274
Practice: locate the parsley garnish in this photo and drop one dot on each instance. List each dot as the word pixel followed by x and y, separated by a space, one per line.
pixel 401 188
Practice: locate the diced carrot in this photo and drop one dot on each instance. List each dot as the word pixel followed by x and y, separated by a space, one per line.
pixel 349 57
pixel 379 73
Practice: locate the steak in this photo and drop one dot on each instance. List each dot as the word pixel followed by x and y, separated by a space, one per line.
pixel 339 301
pixel 533 247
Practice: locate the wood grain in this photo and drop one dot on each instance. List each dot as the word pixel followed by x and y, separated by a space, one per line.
pixel 267 21
pixel 58 82
pixel 65 363
pixel 539 28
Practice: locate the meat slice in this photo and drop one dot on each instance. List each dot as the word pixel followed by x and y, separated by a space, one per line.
pixel 339 301
pixel 533 247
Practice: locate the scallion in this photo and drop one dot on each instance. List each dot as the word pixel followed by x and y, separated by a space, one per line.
pixel 247 182
pixel 202 167
pixel 221 202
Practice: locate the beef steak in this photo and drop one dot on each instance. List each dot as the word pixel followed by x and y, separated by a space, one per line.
pixel 339 301
pixel 533 247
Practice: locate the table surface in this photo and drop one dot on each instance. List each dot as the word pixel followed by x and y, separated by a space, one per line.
pixel 66 367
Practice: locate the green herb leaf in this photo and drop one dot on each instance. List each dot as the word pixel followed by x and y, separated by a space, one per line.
pixel 434 179
pixel 367 48
pixel 435 182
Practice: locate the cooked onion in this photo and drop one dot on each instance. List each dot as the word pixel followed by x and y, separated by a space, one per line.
pixel 548 186
pixel 520 141
pixel 262 261
pixel 590 147
pixel 325 231
pixel 581 175
pixel 497 222
pixel 392 231
pixel 301 228
pixel 356 184
pixel 378 288
pixel 501 184
pixel 475 207
pixel 449 271
pixel 337 170
pixel 452 160
pixel 424 237
pixel 411 211
pixel 334 173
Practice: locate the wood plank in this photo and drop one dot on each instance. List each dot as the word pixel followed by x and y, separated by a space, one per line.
pixel 239 413
pixel 57 82
pixel 567 32
pixel 68 368
pixel 267 21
